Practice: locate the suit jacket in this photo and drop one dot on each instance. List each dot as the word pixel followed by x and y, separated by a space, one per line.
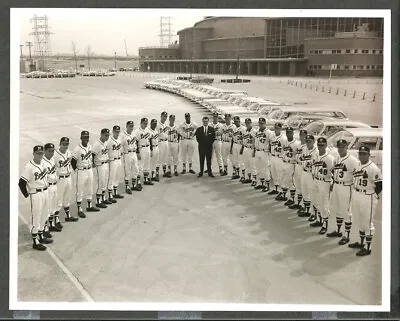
pixel 203 140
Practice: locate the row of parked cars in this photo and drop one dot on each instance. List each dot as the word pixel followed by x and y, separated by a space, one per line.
pixel 318 121
pixel 50 74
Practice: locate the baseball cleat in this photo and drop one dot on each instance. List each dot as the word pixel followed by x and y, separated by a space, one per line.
pixel 47 235
pixel 148 183
pixel 316 224
pixel 356 245
pixel 44 240
pixel 363 252
pixel 312 218
pixel 279 197
pixel 55 228
pixel 322 230
pixel 106 202
pixel 344 240
pixel 128 191
pixel 118 196
pixel 334 234
pixel 247 181
pixel 191 171
pixel 225 173
pixel 71 219
pixel 289 202
pixel 81 214
pixel 304 214
pixel 254 183
pixel 156 179
pixel 273 192
pixel 242 179
pixel 101 205
pixel 176 174
pixel 294 206
pixel 59 225
pixel 92 209
pixel 183 171
pixel 39 247
pixel 113 200
pixel 138 187
pixel 259 187
pixel 283 199
pixel 265 189
pixel 168 174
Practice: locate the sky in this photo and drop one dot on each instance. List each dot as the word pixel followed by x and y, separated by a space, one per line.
pixel 104 29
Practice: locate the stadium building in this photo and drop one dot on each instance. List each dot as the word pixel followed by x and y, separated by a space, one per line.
pixel 273 46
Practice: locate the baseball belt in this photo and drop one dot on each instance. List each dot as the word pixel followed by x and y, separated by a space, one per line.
pixel 184 138
pixel 64 176
pixel 51 184
pixel 163 140
pixel 83 168
pixel 144 146
pixel 116 158
pixel 38 190
pixel 363 191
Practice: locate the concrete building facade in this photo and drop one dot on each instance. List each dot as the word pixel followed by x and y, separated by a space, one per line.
pixel 274 46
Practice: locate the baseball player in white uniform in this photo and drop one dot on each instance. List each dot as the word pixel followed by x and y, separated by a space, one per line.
pixel 162 144
pixel 62 160
pixel 33 184
pixel 236 146
pixel 154 150
pixel 48 161
pixel 307 181
pixel 143 137
pixel 227 134
pixel 279 140
pixel 323 177
pixel 249 134
pixel 288 168
pixel 341 189
pixel 173 146
pixel 300 148
pixel 82 163
pixel 217 145
pixel 262 142
pixel 187 130
pixel 367 190
pixel 129 157
pixel 102 168
pixel 114 150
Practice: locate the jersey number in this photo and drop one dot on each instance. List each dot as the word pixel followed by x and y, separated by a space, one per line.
pixel 341 174
pixel 362 182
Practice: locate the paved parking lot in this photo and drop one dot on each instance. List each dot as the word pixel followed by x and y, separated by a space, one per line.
pixel 184 239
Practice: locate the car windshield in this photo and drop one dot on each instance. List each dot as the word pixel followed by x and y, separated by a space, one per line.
pixel 293 121
pixel 330 130
pixel 343 134
pixel 314 128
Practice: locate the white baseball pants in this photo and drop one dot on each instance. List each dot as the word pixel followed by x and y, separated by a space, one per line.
pixel 52 199
pixel 173 153
pixel 225 150
pixel 163 150
pixel 314 194
pixel 262 162
pixel 131 165
pixel 276 169
pixel 340 201
pixel 113 175
pixel 307 184
pixel 102 172
pixel 155 158
pixel 287 178
pixel 249 161
pixel 217 145
pixel 39 210
pixel 323 198
pixel 84 184
pixel 187 150
pixel 298 172
pixel 237 159
pixel 363 209
pixel 144 162
pixel 64 188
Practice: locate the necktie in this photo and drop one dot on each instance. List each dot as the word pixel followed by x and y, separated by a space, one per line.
pixel 205 130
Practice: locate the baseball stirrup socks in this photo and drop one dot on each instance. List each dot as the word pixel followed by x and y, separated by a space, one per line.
pixel 164 168
pixel 51 218
pixel 56 217
pixel 292 194
pixel 362 237
pixel 66 210
pixel 339 222
pixel 115 190
pixel 347 228
pixel 190 165
pixel 368 240
pixel 98 197
pixel 34 238
pixel 89 203
pixel 299 198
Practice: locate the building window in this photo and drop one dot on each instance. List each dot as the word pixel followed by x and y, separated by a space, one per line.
pixel 347 67
pixel 373 67
pixel 311 67
pixel 380 67
pixel 338 67
pixel 348 51
pixel 355 51
pixel 380 51
pixel 319 52
pixel 326 52
pixel 367 66
pixel 365 51
pixel 354 67
pixel 361 67
pixel 311 52
pixel 373 51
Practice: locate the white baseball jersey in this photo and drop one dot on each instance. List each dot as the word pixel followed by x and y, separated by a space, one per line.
pixel 323 166
pixel 143 137
pixel 187 130
pixel 309 158
pixel 218 130
pixel 128 142
pixel 83 156
pixel 238 134
pixel 365 177
pixel 248 137
pixel 154 137
pixel 114 147
pixel 289 151
pixel 162 131
pixel 51 169
pixel 262 139
pixel 277 145
pixel 100 152
pixel 343 168
pixel 172 133
pixel 300 152
pixel 63 162
pixel 227 132
pixel 35 176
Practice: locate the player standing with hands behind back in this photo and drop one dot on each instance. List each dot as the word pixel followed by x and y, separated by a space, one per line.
pixel 187 130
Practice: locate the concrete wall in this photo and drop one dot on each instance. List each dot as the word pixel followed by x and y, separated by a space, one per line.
pixel 158 53
pixel 251 47
pixel 234 26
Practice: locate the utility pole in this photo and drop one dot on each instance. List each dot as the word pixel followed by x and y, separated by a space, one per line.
pixel 115 60
pixel 74 49
pixel 21 50
pixel 88 56
pixel 29 44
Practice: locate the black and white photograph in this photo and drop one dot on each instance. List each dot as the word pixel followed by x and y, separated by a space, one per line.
pixel 200 159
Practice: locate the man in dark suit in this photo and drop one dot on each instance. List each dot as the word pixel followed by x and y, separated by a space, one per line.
pixel 205 136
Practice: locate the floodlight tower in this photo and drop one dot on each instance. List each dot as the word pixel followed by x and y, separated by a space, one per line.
pixel 166 32
pixel 41 35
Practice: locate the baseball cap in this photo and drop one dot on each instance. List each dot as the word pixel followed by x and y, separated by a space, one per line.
pixel 64 140
pixel 341 142
pixel 289 129
pixel 105 131
pixel 164 113
pixel 278 125
pixel 129 123
pixel 247 120
pixel 228 115
pixel 215 114
pixel 187 115
pixel 144 120
pixel 48 146
pixel 321 141
pixel 84 133
pixel 171 116
pixel 236 118
pixel 38 149
pixel 363 149
pixel 310 137
pixel 116 128
pixel 303 131
pixel 205 118
pixel 154 121
pixel 261 119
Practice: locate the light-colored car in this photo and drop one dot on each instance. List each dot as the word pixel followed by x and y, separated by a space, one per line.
pixel 302 120
pixel 370 137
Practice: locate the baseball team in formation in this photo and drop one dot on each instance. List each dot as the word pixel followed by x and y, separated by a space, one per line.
pixel 304 175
